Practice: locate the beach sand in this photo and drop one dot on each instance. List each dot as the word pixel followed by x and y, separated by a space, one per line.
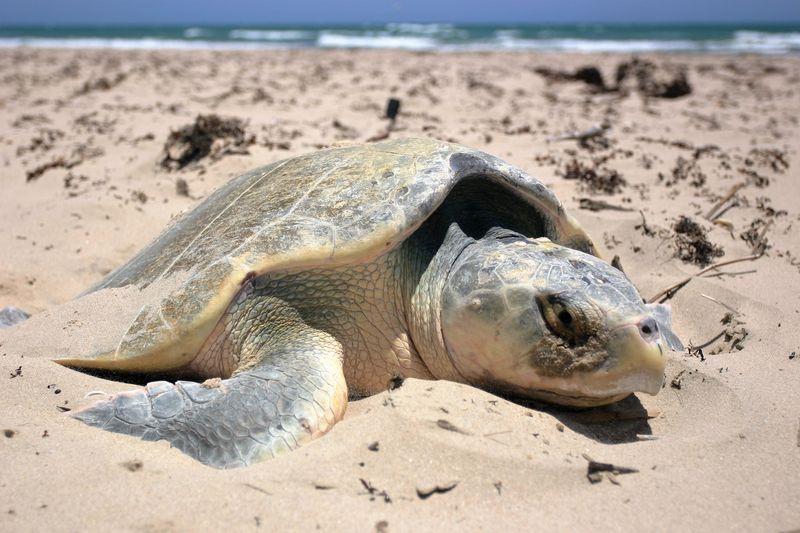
pixel 82 135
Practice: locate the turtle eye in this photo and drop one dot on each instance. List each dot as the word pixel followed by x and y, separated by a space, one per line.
pixel 565 317
pixel 561 319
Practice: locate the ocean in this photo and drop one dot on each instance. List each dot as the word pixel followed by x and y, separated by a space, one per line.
pixel 688 38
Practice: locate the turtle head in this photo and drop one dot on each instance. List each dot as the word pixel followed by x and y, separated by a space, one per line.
pixel 535 319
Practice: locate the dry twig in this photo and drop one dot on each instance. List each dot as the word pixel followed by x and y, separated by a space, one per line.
pixel 724 199
pixel 670 291
pixel 723 304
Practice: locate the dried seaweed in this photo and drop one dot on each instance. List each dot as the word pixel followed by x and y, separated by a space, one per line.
pixel 595 179
pixel 590 75
pixel 772 158
pixel 692 244
pixel 209 136
pixel 101 84
pixel 685 169
pixel 650 79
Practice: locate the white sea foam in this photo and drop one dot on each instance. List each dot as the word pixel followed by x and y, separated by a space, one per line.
pixel 328 39
pixel 447 31
pixel 596 45
pixel 271 35
pixel 410 27
pixel 765 43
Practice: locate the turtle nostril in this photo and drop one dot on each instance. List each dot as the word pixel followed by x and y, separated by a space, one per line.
pixel 648 329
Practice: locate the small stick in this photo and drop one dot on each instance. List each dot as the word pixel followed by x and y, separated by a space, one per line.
pixel 645 228
pixel 739 273
pixel 712 341
pixel 726 306
pixel 256 488
pixel 725 210
pixel 727 224
pixel 721 202
pixel 669 292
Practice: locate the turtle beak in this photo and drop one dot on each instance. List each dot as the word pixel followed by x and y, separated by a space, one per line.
pixel 636 357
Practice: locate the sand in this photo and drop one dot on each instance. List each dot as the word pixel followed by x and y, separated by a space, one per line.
pixel 717 449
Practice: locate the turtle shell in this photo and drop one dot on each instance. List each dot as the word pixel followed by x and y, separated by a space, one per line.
pixel 329 208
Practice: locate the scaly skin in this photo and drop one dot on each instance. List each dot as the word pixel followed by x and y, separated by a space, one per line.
pixel 288 390
pixel 359 306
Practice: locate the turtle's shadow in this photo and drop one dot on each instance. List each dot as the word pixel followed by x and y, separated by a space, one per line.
pixel 617 423
pixel 138 378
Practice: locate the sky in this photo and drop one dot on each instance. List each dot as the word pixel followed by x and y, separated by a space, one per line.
pixel 180 12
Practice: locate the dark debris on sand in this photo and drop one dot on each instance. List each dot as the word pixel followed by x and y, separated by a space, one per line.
pixel 691 243
pixel 590 75
pixel 133 465
pixel 375 493
pixel 653 80
pixel 595 471
pixel 101 84
pixel 59 162
pixel 688 169
pixel 594 178
pixel 772 158
pixel 43 141
pixel 755 235
pixel 427 491
pixel 684 169
pixel 209 136
pixel 734 335
pixel 650 79
pixel 80 154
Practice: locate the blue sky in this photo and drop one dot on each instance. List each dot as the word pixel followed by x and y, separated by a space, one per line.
pixel 364 11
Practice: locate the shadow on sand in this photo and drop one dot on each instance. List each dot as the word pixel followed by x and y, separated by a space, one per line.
pixel 617 423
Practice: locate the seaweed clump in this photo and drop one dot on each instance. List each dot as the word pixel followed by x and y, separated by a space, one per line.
pixel 655 81
pixel 692 244
pixel 590 75
pixel 209 136
pixel 593 178
pixel 648 78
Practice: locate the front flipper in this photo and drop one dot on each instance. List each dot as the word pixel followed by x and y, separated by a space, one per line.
pixel 295 391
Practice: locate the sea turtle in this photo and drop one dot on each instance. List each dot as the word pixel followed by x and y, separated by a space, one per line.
pixel 332 274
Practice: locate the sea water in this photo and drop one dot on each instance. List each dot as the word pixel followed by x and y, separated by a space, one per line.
pixel 688 38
